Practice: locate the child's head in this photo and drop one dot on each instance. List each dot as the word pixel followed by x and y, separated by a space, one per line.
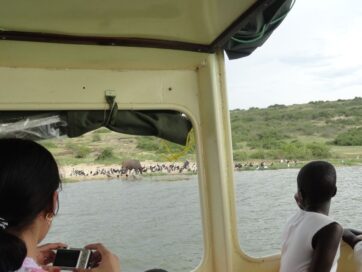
pixel 317 182
pixel 29 180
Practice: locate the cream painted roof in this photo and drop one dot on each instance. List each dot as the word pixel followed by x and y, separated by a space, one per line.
pixel 51 55
pixel 195 21
pixel 189 21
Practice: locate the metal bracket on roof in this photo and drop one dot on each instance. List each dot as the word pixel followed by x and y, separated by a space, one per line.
pixel 110 96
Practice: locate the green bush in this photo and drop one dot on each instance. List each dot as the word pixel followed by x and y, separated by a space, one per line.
pixel 269 139
pixel 79 151
pixel 106 154
pixel 305 129
pixel 319 150
pixel 148 143
pixel 295 150
pixel 276 154
pixel 298 150
pixel 240 156
pixel 239 134
pixel 259 154
pixel 277 106
pixel 349 138
pixel 162 146
pixel 96 137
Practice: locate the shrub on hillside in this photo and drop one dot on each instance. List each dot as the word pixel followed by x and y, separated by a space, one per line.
pixel 106 154
pixel 96 137
pixel 79 151
pixel 275 154
pixel 305 129
pixel 239 135
pixel 240 156
pixel 350 137
pixel 148 143
pixel 269 139
pixel 295 150
pixel 277 106
pixel 301 151
pixel 319 150
pixel 259 154
pixel 171 150
pixel 322 114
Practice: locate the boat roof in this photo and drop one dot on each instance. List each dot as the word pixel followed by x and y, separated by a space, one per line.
pixel 138 34
pixel 190 21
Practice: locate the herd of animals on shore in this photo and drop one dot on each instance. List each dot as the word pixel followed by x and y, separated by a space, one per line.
pixel 131 168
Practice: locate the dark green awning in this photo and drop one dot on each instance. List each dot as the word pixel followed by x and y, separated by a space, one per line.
pixel 257 27
pixel 169 125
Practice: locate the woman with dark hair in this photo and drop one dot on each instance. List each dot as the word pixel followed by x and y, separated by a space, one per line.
pixel 29 183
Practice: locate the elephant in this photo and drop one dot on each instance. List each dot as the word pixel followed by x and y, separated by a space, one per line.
pixel 130 165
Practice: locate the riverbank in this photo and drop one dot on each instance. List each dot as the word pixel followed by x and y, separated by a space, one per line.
pixel 163 171
pixel 167 171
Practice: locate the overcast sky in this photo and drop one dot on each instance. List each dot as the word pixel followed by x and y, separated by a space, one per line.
pixel 315 54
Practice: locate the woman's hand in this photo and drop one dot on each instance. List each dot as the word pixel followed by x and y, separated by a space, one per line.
pixel 108 262
pixel 46 253
pixel 51 269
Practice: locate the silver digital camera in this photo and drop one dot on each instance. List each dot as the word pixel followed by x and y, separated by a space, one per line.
pixel 70 258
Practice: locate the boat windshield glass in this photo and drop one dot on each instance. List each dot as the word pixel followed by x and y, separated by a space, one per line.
pixel 300 101
pixel 137 195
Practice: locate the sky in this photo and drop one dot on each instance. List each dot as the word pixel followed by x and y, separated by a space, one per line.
pixel 315 54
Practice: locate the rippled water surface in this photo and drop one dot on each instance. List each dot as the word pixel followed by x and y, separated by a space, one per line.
pixel 265 200
pixel 152 223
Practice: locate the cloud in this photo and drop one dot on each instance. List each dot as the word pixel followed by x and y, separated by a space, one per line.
pixel 303 58
pixel 340 72
pixel 313 55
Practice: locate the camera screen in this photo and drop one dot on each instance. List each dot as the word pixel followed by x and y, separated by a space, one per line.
pixel 66 258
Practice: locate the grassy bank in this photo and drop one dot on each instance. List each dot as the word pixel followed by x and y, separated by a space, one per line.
pixel 329 130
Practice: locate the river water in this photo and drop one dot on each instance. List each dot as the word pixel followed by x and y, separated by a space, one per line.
pixel 157 223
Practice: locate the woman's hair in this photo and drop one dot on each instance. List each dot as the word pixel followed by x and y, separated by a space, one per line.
pixel 29 177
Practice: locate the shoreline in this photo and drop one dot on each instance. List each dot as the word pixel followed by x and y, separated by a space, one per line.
pixel 88 172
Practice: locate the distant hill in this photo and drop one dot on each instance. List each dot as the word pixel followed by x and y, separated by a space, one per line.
pixel 317 130
pixel 303 131
pixel 320 119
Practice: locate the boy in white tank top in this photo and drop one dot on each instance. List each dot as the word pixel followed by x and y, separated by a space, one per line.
pixel 311 239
